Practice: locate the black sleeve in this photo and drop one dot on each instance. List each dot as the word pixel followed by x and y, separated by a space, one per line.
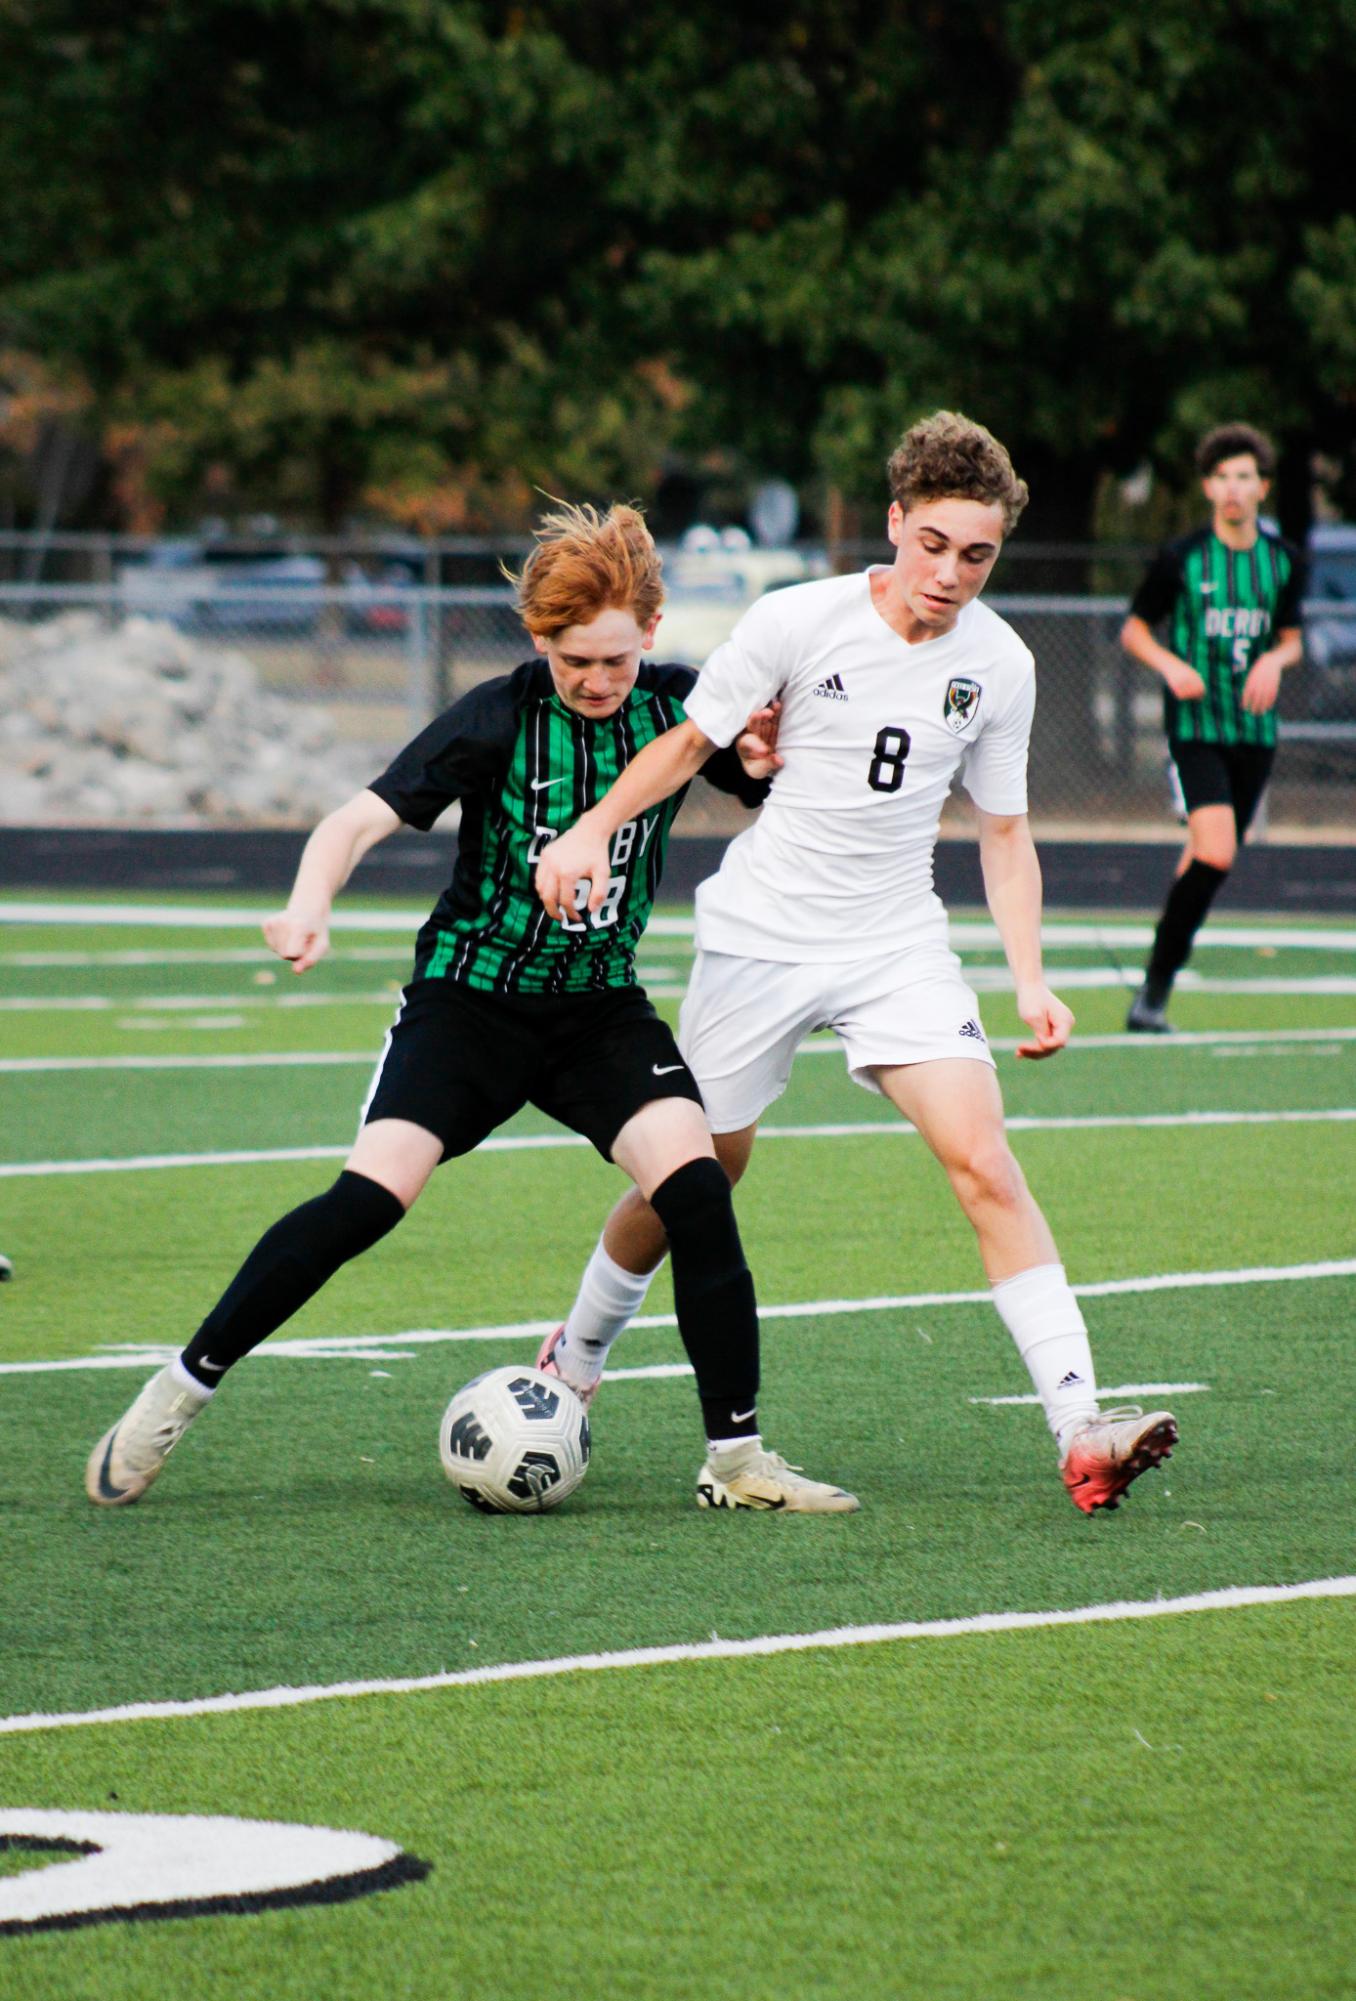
pixel 722 769
pixel 1158 590
pixel 1290 601
pixel 464 750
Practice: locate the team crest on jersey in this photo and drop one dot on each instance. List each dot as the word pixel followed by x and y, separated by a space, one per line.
pixel 962 701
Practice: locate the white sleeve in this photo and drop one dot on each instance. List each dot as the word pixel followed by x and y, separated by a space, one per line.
pixel 740 676
pixel 995 766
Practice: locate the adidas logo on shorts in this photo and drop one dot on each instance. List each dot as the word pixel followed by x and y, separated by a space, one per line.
pixel 972 1028
pixel 832 690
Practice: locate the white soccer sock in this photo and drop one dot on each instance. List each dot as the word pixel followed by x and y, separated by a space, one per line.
pixel 609 1296
pixel 1040 1312
pixel 735 1453
pixel 187 1380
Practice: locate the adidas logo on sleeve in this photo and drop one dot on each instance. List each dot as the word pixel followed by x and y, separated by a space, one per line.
pixel 831 690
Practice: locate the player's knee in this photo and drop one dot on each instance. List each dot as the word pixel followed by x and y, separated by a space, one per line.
pixel 988 1177
pixel 1218 852
pixel 695 1207
pixel 360 1209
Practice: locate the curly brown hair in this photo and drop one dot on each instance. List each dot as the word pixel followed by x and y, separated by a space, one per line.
pixel 1231 441
pixel 949 457
pixel 586 563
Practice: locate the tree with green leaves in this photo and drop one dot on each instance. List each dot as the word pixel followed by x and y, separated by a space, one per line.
pixel 426 256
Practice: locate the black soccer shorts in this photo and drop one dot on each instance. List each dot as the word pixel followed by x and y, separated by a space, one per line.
pixel 459 1063
pixel 1223 774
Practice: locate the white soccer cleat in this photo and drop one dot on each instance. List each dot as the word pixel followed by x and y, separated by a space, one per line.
pixel 764 1480
pixel 548 1366
pixel 1111 1450
pixel 129 1457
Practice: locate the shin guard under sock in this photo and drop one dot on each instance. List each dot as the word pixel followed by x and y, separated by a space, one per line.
pixel 1185 911
pixel 289 1263
pixel 713 1294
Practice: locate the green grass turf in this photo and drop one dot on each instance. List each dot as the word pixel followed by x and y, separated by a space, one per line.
pixel 969 1818
pixel 958 1819
pixel 336 1547
pixel 74 1114
pixel 133 1257
pixel 19 1861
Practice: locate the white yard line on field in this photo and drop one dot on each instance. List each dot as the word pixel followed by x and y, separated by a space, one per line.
pixel 400 1346
pixel 882 1128
pixel 1233 1598
pixel 180 1003
pixel 299 1059
pixel 1105 1390
pixel 983 979
pixel 1267 1041
pixel 977 935
pixel 244 955
pixel 195 917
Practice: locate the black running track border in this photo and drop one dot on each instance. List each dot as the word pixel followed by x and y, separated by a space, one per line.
pixel 1295 881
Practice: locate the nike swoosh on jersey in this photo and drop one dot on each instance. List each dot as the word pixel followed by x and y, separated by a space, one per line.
pixel 667 1069
pixel 545 784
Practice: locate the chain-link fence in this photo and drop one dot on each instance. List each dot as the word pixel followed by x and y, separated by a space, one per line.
pixel 154 669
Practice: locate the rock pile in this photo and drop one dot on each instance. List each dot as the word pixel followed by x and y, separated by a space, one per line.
pixel 139 723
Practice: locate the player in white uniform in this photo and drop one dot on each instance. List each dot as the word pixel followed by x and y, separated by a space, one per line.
pixel 879 688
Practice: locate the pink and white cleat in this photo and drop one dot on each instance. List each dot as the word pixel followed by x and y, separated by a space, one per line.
pixel 1111 1450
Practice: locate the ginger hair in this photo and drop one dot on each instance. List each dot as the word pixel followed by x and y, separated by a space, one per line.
pixel 586 563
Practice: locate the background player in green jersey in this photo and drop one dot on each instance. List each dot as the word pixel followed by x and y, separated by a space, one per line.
pixel 506 1008
pixel 1229 596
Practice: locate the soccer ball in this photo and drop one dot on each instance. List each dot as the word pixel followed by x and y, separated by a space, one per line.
pixel 515 1442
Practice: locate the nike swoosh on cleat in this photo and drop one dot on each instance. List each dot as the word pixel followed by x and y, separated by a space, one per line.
pixel 106 1487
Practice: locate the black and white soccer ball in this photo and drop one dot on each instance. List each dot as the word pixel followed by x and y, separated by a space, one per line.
pixel 515 1442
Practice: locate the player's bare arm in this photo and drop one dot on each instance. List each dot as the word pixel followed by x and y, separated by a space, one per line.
pixel 1139 642
pixel 301 932
pixel 1263 685
pixel 581 852
pixel 1012 889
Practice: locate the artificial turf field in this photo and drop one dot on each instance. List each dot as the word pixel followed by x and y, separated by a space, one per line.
pixel 1122 1805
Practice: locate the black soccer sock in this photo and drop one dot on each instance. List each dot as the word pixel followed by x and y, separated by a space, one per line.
pixel 713 1292
pixel 289 1263
pixel 1185 911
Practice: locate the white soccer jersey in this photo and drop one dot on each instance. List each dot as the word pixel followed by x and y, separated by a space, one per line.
pixel 873 730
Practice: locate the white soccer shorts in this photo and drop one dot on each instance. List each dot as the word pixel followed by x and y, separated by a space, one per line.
pixel 744 1019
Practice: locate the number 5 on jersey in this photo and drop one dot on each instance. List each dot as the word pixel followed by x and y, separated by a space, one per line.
pixel 887 766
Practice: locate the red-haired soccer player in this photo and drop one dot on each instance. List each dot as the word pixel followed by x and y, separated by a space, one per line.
pixel 506 1008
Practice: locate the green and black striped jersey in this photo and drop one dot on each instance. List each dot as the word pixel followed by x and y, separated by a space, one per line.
pixel 525 767
pixel 1225 607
